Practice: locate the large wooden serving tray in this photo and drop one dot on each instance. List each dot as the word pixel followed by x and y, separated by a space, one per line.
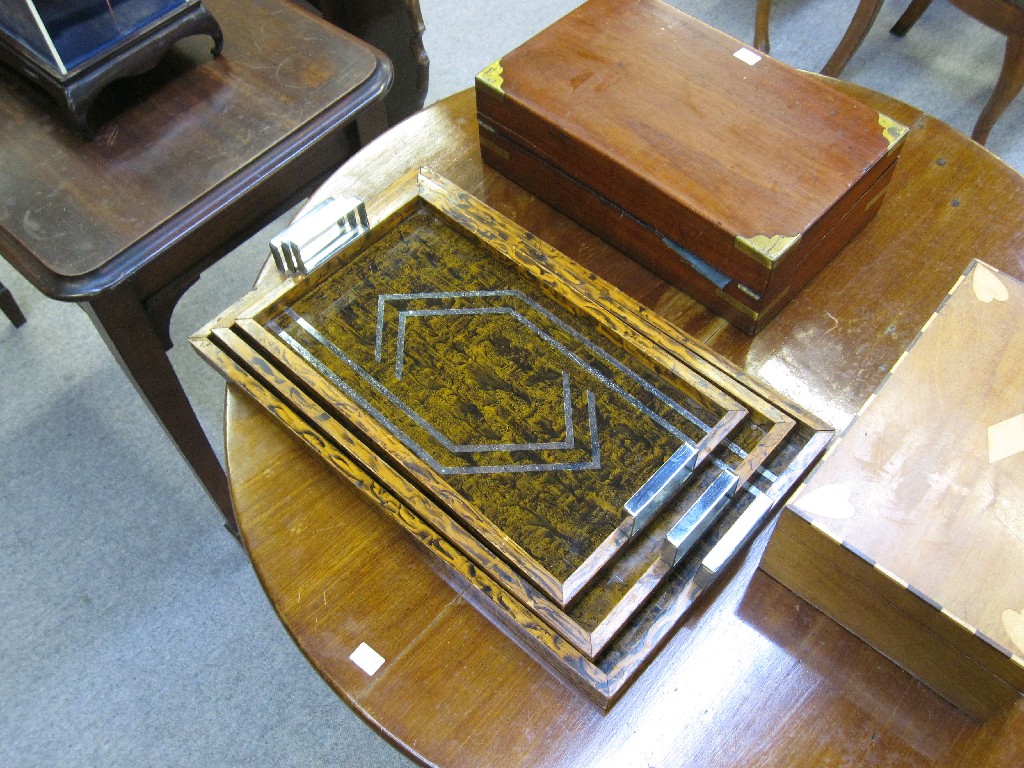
pixel 585 467
pixel 911 530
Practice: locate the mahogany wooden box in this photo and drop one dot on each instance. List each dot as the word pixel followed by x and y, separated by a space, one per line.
pixel 731 174
pixel 910 532
pixel 586 469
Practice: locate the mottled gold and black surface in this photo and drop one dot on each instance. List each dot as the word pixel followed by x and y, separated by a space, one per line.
pixel 505 407
pixel 522 409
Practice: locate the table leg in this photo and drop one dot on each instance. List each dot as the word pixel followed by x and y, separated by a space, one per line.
pixel 10 307
pixel 1011 79
pixel 135 342
pixel 761 41
pixel 863 18
pixel 371 122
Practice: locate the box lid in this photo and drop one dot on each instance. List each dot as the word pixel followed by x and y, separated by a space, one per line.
pixel 927 483
pixel 721 149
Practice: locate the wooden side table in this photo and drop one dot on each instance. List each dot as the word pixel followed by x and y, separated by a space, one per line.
pixel 756 676
pixel 190 160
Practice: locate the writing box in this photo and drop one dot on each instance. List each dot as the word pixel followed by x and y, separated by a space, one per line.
pixel 910 532
pixel 731 174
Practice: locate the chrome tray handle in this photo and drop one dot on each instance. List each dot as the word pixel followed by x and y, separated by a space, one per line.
pixel 318 234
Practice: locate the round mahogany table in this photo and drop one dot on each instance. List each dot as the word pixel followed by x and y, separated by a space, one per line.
pixel 755 676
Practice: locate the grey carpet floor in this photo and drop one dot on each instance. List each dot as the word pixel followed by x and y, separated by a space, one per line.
pixel 132 629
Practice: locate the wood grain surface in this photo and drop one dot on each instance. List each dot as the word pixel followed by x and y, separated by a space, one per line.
pixel 193 157
pixel 749 169
pixel 926 488
pixel 395 27
pixel 183 138
pixel 756 676
pixel 558 555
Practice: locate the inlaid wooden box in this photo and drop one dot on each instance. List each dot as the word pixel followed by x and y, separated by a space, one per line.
pixel 584 467
pixel 910 532
pixel 729 173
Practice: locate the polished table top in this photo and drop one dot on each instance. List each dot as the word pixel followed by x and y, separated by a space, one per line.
pixel 755 676
pixel 175 148
pixel 190 159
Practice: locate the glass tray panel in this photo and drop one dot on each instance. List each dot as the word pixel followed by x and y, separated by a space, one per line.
pixel 495 387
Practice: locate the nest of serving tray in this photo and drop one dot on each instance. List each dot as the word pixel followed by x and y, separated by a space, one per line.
pixel 588 468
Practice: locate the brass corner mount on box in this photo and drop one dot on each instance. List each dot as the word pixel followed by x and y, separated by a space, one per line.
pixel 491 78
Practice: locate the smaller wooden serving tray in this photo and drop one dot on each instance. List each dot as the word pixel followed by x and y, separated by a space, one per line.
pixel 583 465
pixel 910 532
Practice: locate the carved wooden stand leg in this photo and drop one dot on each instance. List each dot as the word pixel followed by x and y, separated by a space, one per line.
pixel 863 18
pixel 1003 17
pixel 764 9
pixel 1011 79
pixel 395 27
pixel 910 17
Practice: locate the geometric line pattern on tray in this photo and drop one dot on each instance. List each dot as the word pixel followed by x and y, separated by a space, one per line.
pixel 568 442
pixel 603 644
pixel 425 455
pixel 383 300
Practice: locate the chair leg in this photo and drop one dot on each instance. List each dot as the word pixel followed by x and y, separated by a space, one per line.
pixel 1011 79
pixel 764 9
pixel 862 20
pixel 10 307
pixel 910 17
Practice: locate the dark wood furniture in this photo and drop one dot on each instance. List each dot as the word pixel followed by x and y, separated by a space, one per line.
pixel 756 676
pixel 396 28
pixel 194 157
pixel 1004 16
pixel 9 306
